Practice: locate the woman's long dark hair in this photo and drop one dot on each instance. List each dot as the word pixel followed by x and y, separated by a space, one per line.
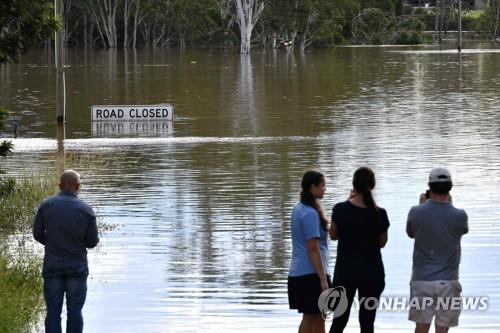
pixel 363 183
pixel 307 198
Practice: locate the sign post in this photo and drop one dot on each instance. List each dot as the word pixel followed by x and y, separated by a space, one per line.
pixel 59 59
pixel 459 26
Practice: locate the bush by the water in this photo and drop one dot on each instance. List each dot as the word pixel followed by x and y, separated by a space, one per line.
pixel 487 22
pixel 5 147
pixel 19 201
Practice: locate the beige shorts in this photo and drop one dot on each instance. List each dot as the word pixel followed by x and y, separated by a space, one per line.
pixel 440 299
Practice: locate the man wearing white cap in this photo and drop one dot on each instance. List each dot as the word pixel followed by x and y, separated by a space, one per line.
pixel 437 227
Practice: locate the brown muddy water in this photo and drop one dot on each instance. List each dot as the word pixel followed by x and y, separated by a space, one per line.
pixel 202 205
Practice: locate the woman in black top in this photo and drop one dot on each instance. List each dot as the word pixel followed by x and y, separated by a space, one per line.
pixel 360 226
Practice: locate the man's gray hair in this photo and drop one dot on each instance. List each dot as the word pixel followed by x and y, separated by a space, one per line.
pixel 70 176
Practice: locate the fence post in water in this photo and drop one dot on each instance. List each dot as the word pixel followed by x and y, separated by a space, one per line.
pixel 59 59
pixel 459 26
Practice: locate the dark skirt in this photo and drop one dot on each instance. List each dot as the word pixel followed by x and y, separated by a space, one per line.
pixel 304 292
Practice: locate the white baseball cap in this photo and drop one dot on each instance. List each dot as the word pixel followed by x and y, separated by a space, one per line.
pixel 439 175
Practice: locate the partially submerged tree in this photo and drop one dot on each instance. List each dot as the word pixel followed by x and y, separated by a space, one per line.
pixel 319 20
pixel 248 13
pixel 186 28
pixel 279 23
pixel 221 23
pixel 304 22
pixel 104 13
pixel 156 28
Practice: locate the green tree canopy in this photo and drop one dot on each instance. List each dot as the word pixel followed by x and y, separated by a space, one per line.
pixel 24 24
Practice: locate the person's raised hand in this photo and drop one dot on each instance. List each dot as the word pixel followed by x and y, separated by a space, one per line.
pixel 422 198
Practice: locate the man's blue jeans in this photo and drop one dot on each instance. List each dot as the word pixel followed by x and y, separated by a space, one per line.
pixel 73 283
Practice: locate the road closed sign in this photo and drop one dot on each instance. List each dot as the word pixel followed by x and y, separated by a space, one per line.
pixel 132 112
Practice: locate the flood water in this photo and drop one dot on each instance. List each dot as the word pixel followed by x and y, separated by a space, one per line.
pixel 202 210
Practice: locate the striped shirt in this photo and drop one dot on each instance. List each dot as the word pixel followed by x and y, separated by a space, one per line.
pixel 67 227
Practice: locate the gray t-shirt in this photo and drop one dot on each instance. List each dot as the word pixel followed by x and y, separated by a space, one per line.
pixel 437 228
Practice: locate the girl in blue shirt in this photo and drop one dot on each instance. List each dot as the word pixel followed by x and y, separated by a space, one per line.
pixel 309 266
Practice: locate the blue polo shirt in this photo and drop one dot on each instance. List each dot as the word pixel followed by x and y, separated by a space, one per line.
pixel 306 225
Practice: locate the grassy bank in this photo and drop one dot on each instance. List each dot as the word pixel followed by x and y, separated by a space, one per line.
pixel 21 301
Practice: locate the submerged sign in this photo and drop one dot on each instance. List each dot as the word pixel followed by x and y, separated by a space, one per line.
pixel 132 112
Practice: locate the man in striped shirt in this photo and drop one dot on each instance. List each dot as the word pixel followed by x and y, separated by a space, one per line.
pixel 67 227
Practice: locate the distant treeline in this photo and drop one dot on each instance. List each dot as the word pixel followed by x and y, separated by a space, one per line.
pixel 260 23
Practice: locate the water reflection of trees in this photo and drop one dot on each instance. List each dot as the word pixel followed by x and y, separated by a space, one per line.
pixel 240 211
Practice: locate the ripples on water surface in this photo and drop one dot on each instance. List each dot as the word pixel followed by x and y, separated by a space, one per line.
pixel 203 242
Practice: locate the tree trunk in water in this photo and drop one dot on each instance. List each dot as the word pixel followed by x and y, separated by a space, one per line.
pixel 436 26
pixel 91 35
pixel 85 37
pixel 112 23
pixel 126 14
pixel 441 24
pixel 103 17
pixel 136 22
pixel 303 39
pixel 65 18
pixel 264 39
pixel 109 21
pixel 445 20
pixel 101 35
pixel 248 13
pixel 145 35
pixel 182 40
pixel 246 41
pixel 497 21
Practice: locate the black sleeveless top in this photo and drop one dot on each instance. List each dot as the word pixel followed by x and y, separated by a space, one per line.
pixel 358 249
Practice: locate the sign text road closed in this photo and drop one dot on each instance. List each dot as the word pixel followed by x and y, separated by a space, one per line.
pixel 132 112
